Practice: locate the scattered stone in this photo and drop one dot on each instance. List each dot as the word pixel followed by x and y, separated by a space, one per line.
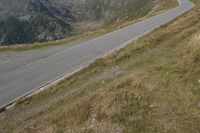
pixel 152 106
pixel 10 106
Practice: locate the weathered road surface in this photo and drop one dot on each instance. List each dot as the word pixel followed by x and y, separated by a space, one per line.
pixel 22 80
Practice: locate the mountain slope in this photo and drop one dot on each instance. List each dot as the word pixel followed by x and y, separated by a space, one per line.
pixel 28 21
pixel 151 85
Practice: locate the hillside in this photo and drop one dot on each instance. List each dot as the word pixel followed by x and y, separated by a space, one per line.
pixel 28 21
pixel 151 85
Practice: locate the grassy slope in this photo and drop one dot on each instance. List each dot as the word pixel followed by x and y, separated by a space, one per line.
pixel 152 85
pixel 93 29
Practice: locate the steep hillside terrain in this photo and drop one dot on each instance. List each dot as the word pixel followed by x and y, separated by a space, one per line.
pixel 151 85
pixel 28 21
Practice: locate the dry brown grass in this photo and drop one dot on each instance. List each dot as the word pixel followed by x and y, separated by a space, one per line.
pixel 22 47
pixel 151 85
pixel 163 4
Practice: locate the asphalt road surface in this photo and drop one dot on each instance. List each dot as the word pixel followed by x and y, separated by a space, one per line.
pixel 18 82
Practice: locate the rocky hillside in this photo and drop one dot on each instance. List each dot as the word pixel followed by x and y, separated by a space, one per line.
pixel 28 21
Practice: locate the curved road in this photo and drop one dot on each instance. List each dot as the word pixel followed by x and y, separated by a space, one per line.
pixel 18 82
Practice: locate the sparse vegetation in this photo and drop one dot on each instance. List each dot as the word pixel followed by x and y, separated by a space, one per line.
pixel 87 29
pixel 151 85
pixel 164 5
